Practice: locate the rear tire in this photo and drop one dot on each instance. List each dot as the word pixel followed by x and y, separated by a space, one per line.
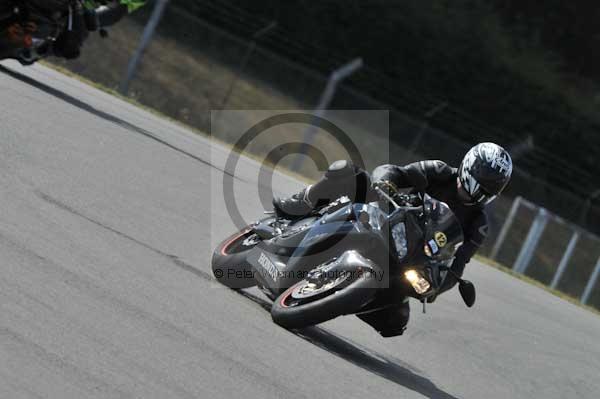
pixel 229 264
pixel 336 303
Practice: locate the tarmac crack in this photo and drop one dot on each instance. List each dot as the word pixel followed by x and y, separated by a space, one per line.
pixel 177 261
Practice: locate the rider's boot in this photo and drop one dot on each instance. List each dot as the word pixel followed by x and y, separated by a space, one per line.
pixel 341 179
pixel 68 44
pixel 390 321
pixel 294 207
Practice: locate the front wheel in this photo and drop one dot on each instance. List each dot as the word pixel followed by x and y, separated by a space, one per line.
pixel 313 301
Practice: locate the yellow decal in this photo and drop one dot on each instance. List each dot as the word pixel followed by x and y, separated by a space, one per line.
pixel 440 239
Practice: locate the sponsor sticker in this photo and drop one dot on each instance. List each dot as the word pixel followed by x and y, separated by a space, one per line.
pixel 269 267
pixel 440 239
pixel 433 246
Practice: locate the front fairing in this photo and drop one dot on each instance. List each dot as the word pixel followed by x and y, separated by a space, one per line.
pixel 361 225
pixel 394 242
pixel 286 259
pixel 442 236
pixel 356 227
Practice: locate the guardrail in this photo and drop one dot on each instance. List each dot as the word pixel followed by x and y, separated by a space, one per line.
pixel 532 240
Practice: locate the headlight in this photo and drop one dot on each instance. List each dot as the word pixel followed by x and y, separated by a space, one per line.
pixel 417 281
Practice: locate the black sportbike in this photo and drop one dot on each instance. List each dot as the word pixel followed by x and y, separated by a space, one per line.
pixel 28 29
pixel 347 258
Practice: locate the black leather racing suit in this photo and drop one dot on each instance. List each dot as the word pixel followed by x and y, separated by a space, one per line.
pixel 68 44
pixel 437 179
pixel 440 181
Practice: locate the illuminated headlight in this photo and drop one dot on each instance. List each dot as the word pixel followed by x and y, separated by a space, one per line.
pixel 417 281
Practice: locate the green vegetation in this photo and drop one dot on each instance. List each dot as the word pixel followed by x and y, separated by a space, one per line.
pixel 519 66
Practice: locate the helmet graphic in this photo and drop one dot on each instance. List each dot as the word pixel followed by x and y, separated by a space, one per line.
pixel 483 173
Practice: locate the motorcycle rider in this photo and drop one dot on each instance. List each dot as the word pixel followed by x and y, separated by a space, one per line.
pixel 483 173
pixel 91 17
pixel 85 16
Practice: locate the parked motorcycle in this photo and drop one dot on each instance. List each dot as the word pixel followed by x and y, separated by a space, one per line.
pixel 29 29
pixel 346 258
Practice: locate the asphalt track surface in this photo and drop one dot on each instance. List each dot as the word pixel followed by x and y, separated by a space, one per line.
pixel 108 216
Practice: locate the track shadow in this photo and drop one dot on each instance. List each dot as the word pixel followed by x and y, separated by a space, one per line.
pixel 370 361
pixel 100 114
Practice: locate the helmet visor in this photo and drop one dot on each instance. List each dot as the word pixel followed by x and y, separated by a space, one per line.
pixel 482 198
pixel 479 196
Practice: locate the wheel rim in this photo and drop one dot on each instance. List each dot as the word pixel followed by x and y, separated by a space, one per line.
pixel 317 286
pixel 311 289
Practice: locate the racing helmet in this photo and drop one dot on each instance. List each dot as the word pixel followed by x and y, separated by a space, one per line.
pixel 483 173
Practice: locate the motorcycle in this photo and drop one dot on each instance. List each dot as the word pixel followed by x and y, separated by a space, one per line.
pixel 30 28
pixel 347 258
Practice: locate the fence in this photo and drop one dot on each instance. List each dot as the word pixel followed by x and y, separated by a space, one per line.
pixel 192 67
pixel 550 249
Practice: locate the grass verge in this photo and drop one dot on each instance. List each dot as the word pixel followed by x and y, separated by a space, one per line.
pixel 529 280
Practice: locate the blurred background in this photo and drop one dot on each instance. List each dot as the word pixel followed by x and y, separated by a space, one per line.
pixel 452 73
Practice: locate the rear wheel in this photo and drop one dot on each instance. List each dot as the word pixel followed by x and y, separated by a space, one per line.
pixel 229 263
pixel 318 299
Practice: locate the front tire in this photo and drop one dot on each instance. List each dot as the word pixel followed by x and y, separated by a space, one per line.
pixel 290 312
